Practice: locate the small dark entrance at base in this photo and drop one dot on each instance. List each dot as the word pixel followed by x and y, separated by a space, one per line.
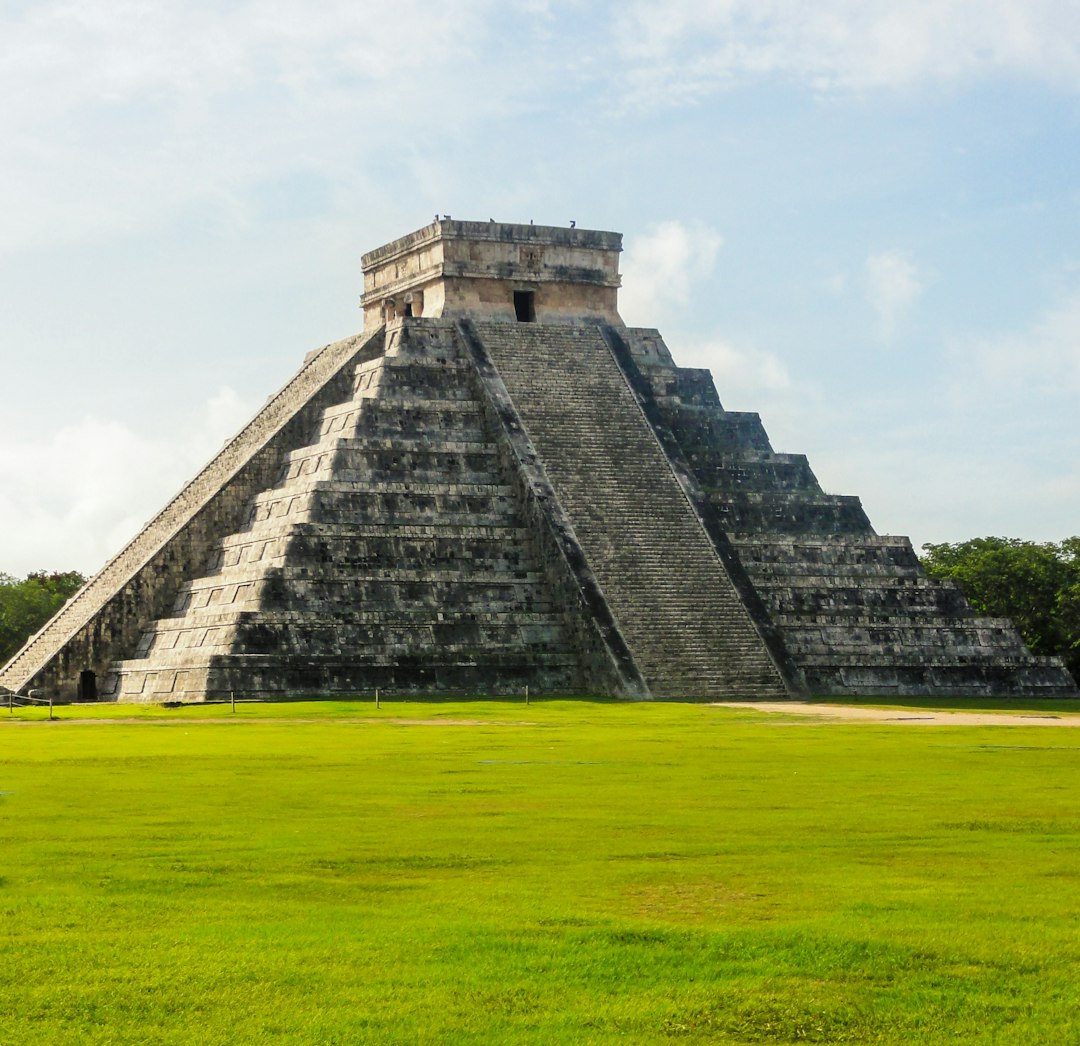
pixel 525 306
pixel 87 686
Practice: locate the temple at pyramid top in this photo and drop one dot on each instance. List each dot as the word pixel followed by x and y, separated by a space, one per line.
pixel 494 270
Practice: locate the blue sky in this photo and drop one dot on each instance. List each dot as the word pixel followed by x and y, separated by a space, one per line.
pixel 864 217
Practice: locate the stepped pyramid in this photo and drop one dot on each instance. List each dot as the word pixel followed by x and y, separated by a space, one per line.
pixel 499 485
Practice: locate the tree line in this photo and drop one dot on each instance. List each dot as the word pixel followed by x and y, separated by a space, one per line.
pixel 27 604
pixel 1036 584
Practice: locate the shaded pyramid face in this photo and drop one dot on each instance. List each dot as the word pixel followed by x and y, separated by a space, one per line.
pixel 852 610
pixel 392 553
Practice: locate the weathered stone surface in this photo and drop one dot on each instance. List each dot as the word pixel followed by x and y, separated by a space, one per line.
pixel 492 270
pixel 499 485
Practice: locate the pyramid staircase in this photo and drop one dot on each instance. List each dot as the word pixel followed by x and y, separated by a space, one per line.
pixel 682 618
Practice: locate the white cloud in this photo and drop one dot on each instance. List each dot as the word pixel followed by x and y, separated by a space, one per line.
pixel 992 447
pixel 70 497
pixel 1040 363
pixel 225 411
pixel 667 270
pixel 682 49
pixel 835 284
pixel 892 287
pixel 663 267
pixel 740 372
pixel 931 487
pixel 118 114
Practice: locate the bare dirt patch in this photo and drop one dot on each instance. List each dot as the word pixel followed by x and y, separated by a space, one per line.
pixel 902 717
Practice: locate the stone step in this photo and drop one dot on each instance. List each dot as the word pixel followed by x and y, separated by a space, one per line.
pixel 936 659
pixel 504 614
pixel 365 499
pixel 302 582
pixel 820 544
pixel 754 472
pixel 435 529
pixel 484 602
pixel 232 676
pixel 135 676
pixel 701 428
pixel 870 599
pixel 905 617
pixel 449 655
pixel 790 512
pixel 904 649
pixel 976 677
pixel 434 443
pixel 338 486
pixel 314 638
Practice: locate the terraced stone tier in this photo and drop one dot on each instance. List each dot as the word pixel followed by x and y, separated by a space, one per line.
pixel 412 671
pixel 863 610
pixel 788 512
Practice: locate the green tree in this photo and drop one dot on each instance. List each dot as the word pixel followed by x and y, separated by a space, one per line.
pixel 26 605
pixel 1036 584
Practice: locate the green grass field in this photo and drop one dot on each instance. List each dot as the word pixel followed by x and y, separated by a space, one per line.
pixel 565 872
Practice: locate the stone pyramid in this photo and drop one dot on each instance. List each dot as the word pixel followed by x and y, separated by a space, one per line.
pixel 498 485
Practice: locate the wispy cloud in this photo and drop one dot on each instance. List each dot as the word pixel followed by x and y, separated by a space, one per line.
pixel 75 495
pixel 893 284
pixel 1023 367
pixel 663 266
pixel 117 113
pixel 679 50
pixel 666 270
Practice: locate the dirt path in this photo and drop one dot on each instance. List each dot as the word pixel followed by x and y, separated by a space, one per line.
pixel 907 717
pixel 807 709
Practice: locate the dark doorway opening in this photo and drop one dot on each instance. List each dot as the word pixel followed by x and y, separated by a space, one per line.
pixel 87 686
pixel 525 306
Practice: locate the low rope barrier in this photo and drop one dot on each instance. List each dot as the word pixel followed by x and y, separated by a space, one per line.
pixel 31 699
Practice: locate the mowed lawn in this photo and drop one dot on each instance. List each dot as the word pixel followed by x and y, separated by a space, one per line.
pixel 491 872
